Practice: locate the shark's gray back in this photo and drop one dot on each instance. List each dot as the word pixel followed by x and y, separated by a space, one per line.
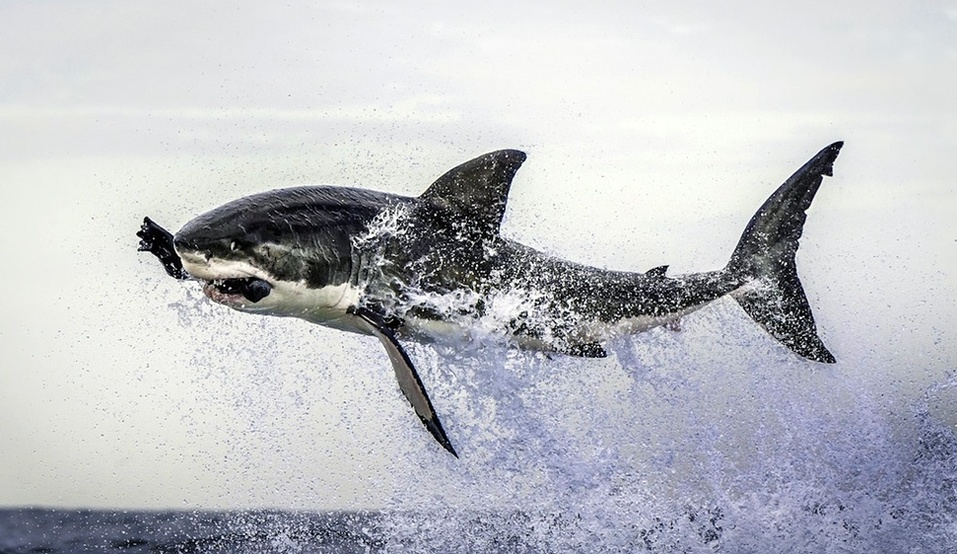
pixel 297 234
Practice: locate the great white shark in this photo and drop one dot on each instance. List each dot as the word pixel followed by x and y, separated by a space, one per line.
pixel 376 263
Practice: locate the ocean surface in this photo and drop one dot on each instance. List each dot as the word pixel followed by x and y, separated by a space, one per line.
pixel 77 531
pixel 832 528
pixel 69 531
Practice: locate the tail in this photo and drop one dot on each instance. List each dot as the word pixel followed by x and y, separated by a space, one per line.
pixel 765 257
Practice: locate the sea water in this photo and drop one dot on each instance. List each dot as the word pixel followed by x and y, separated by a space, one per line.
pixel 711 438
pixel 80 531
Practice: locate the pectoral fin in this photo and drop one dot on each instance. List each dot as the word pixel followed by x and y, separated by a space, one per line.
pixel 409 382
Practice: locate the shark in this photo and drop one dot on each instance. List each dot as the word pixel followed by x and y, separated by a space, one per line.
pixel 385 265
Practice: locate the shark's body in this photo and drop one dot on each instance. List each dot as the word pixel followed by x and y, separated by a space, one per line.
pixel 376 263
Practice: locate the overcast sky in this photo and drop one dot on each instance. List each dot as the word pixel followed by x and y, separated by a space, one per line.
pixel 654 130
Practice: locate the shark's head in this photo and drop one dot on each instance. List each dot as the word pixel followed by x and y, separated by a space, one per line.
pixel 214 249
pixel 284 252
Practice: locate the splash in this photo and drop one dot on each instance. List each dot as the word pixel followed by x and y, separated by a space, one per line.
pixel 672 446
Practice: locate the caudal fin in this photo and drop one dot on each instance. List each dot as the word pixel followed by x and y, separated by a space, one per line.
pixel 764 255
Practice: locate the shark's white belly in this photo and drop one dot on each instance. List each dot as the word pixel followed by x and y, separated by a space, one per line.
pixel 545 337
pixel 600 331
pixel 326 305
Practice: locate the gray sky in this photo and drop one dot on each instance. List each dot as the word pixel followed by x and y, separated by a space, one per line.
pixel 654 130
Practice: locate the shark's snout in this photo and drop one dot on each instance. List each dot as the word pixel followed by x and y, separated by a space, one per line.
pixel 189 242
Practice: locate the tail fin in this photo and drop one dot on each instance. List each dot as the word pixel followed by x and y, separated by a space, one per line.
pixel 765 255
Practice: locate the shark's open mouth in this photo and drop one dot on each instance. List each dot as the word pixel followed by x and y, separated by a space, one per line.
pixel 227 291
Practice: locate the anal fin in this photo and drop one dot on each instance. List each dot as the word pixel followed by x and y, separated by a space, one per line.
pixel 409 382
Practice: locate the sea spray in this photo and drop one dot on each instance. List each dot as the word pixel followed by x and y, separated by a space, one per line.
pixel 667 449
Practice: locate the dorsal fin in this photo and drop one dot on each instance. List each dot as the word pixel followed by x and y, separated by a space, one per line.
pixel 476 192
pixel 657 271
